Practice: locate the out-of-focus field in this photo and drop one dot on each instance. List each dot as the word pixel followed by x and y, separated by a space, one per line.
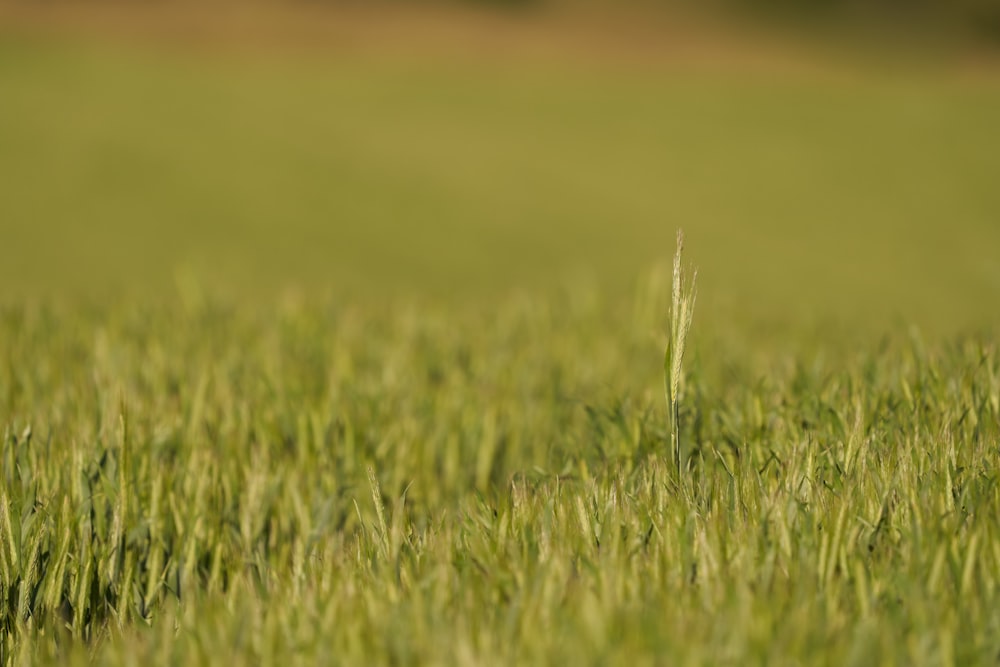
pixel 334 337
pixel 809 189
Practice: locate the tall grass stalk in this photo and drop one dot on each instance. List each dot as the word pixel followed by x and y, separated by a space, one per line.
pixel 682 297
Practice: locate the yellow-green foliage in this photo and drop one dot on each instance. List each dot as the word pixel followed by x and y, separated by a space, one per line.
pixel 426 451
pixel 312 482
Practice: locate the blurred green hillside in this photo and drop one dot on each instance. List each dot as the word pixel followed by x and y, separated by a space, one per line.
pixel 860 196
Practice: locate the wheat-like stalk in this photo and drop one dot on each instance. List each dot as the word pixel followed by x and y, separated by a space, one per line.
pixel 682 299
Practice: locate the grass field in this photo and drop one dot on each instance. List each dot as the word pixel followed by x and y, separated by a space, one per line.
pixel 315 359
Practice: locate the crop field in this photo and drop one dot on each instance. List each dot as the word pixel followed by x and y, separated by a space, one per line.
pixel 352 358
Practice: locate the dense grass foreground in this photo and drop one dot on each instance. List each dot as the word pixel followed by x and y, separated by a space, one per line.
pixel 199 482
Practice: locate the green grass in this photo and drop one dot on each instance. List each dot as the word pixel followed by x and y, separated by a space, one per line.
pixel 309 362
pixel 682 299
pixel 196 484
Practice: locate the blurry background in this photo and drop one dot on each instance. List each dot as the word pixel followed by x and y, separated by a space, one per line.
pixel 830 161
